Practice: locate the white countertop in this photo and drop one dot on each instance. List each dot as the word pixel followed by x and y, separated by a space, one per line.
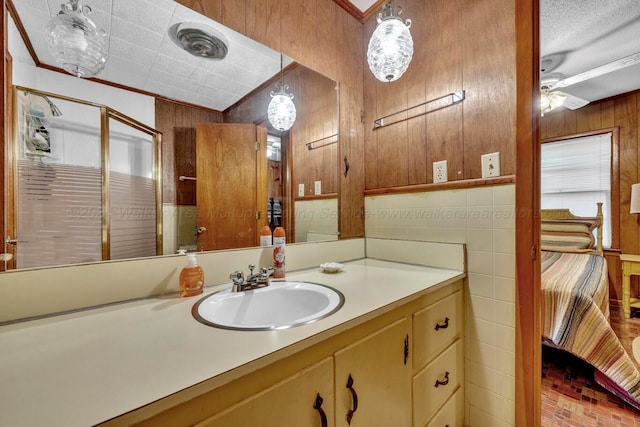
pixel 87 367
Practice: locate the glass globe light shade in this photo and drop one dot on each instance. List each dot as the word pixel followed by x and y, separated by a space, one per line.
pixel 75 42
pixel 390 49
pixel 281 111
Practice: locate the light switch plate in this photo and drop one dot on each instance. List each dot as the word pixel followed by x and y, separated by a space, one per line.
pixel 491 165
pixel 300 190
pixel 317 187
pixel 440 171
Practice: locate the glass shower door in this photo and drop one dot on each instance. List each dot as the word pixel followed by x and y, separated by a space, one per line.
pixel 57 182
pixel 134 214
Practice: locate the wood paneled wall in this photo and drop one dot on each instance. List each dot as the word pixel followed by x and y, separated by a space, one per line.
pixel 177 122
pixel 459 45
pixel 4 119
pixel 316 103
pixel 324 37
pixel 622 112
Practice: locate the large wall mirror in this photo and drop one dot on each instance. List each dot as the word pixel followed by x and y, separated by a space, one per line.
pixel 224 171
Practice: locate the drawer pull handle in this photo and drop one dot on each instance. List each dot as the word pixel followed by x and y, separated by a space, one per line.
pixel 318 407
pixel 355 400
pixel 445 381
pixel 444 325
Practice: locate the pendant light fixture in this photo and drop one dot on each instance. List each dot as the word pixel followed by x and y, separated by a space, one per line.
pixel 281 111
pixel 391 46
pixel 78 46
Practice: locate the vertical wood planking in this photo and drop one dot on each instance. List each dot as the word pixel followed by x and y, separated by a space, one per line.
pixel 626 115
pixel 233 15
pixel 458 45
pixel 210 8
pixel 370 114
pixel 351 146
pixel 298 34
pixel 392 142
pixel 444 56
pixel 416 80
pixel 165 122
pixel 489 78
pixel 263 22
pixel 177 123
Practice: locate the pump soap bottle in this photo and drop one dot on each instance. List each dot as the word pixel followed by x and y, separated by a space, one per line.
pixel 191 278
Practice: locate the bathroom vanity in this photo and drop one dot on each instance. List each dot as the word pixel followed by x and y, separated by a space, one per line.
pixel 392 355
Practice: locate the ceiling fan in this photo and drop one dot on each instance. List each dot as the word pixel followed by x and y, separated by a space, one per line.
pixel 552 98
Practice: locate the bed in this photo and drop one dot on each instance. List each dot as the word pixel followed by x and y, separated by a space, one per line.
pixel 575 288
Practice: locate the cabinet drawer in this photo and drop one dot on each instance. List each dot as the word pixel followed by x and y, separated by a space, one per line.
pixel 435 327
pixel 292 402
pixel 452 413
pixel 433 385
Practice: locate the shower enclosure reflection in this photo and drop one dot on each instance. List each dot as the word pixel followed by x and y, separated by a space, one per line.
pixel 86 183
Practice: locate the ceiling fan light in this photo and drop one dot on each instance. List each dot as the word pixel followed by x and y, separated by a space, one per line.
pixel 77 45
pixel 390 48
pixel 549 101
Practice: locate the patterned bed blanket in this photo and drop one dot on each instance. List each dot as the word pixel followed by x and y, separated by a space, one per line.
pixel 575 289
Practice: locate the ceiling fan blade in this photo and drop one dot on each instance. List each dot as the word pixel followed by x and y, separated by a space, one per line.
pixel 627 61
pixel 573 102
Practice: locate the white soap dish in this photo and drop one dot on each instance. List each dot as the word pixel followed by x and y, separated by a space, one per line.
pixel 331 267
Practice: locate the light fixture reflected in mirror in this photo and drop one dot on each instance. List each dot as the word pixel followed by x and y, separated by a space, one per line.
pixel 281 111
pixel 391 46
pixel 78 46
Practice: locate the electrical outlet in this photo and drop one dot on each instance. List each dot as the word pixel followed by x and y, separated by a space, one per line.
pixel 300 190
pixel 440 171
pixel 490 165
pixel 317 187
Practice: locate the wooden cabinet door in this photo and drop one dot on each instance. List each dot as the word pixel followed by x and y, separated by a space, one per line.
pixel 300 400
pixel 231 184
pixel 380 379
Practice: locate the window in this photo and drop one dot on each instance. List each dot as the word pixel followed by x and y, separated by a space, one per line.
pixel 576 174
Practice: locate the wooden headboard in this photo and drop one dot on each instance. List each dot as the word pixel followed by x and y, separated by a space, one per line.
pixel 565 215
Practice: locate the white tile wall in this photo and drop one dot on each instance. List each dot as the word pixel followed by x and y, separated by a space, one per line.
pixel 484 219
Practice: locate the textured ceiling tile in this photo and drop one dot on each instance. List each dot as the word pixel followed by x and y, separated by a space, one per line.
pixel 151 18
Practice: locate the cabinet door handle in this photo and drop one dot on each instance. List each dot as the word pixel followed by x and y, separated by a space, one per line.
pixel 406 349
pixel 317 405
pixel 444 325
pixel 354 395
pixel 445 381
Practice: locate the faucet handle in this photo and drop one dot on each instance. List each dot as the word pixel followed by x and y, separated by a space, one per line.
pixel 266 271
pixel 237 277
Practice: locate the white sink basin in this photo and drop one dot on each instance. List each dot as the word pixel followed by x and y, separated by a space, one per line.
pixel 281 305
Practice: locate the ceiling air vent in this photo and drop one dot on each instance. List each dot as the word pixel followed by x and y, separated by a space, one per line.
pixel 199 40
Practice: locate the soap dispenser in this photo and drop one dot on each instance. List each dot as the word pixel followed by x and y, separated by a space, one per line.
pixel 191 277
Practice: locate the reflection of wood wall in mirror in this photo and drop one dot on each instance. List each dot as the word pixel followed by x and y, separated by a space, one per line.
pixel 316 103
pixel 274 179
pixel 318 117
pixel 177 122
pixel 328 39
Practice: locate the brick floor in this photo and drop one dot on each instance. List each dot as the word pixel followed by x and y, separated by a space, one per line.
pixel 571 397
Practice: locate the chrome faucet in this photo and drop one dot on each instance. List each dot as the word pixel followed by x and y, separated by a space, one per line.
pixel 259 280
